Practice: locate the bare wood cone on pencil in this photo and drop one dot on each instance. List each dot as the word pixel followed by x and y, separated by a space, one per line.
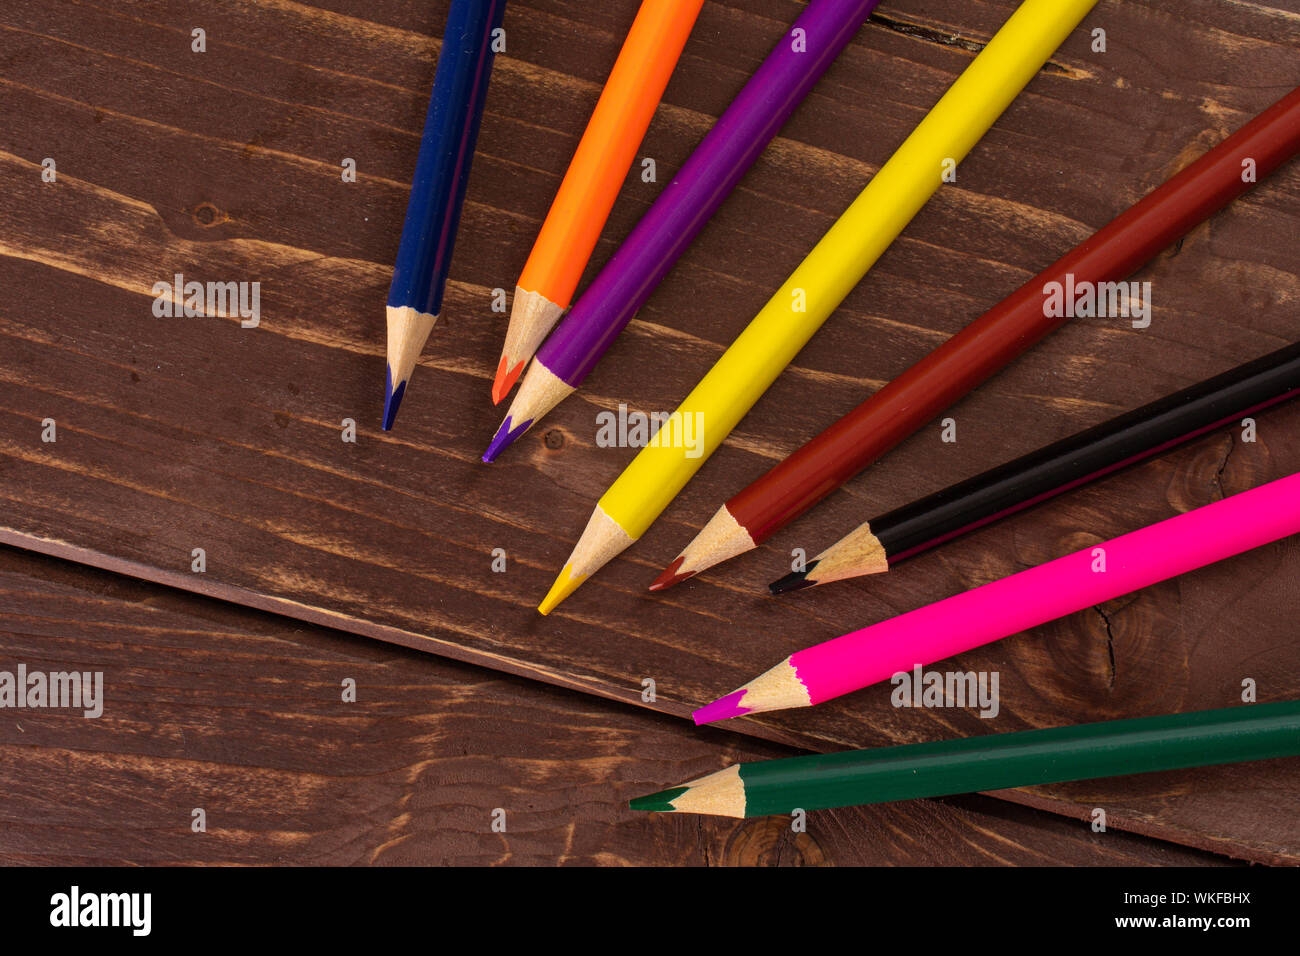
pixel 532 315
pixel 859 552
pixel 408 331
pixel 540 392
pixel 778 688
pixel 718 794
pixel 720 539
pixel 602 541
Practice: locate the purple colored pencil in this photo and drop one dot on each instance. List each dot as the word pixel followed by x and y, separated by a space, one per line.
pixel 686 204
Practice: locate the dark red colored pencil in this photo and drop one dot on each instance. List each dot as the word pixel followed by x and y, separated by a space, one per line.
pixel 990 342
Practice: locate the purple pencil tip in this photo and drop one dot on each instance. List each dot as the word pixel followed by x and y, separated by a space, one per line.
pixel 504 437
pixel 723 708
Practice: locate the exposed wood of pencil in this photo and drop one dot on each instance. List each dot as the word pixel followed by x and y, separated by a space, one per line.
pixel 718 794
pixel 540 392
pixel 778 688
pixel 720 539
pixel 602 540
pixel 531 316
pixel 408 330
pixel 858 552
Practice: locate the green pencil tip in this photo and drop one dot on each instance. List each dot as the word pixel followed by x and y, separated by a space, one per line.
pixel 661 801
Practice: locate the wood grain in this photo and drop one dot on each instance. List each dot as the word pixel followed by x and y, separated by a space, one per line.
pixel 240 713
pixel 184 433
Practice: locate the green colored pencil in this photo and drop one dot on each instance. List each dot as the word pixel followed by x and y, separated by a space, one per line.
pixel 1107 749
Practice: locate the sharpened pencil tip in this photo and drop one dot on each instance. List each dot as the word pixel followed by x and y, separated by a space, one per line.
pixel 505 379
pixel 503 439
pixel 724 708
pixel 661 801
pixel 794 581
pixel 670 576
pixel 392 398
pixel 566 582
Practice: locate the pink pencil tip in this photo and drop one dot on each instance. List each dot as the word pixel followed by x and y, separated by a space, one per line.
pixel 723 708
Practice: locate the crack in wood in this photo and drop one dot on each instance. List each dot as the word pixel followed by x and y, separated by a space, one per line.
pixel 1110 647
pixel 946 38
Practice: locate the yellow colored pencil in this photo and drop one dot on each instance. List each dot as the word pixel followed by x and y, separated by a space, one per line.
pixel 816 288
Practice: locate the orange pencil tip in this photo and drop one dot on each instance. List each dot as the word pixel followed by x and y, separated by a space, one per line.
pixel 505 380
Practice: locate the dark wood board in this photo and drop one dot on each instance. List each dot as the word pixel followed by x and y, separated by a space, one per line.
pixel 175 434
pixel 239 713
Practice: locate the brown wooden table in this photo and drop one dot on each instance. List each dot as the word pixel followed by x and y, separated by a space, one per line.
pixel 182 433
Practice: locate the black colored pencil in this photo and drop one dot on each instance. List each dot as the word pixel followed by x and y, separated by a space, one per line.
pixel 879 544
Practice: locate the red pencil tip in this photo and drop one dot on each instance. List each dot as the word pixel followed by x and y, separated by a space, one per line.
pixel 505 380
pixel 669 576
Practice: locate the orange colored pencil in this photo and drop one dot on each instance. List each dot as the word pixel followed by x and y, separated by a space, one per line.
pixel 594 177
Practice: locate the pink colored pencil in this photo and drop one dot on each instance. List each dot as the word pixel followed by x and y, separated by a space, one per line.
pixel 1014 604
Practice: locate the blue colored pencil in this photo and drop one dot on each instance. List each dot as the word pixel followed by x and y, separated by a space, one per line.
pixel 438 188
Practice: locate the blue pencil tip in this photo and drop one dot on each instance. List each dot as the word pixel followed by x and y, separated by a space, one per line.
pixel 503 438
pixel 392 398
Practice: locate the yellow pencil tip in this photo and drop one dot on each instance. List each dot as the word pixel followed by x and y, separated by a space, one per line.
pixel 565 584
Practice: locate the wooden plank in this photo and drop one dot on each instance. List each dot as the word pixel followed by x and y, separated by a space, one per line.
pixel 239 713
pixel 184 433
